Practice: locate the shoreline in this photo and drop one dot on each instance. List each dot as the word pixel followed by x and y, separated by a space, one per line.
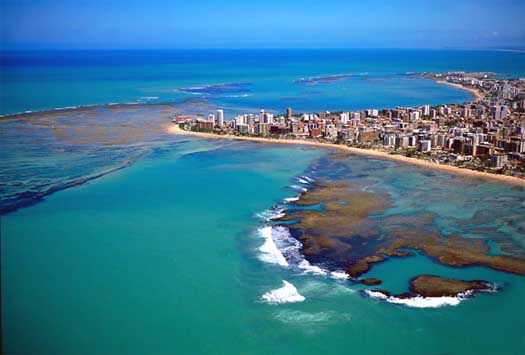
pixel 510 180
pixel 475 92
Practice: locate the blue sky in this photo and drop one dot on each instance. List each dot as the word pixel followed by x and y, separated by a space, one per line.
pixel 262 24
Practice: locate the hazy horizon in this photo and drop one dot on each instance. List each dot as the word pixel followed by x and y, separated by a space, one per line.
pixel 211 24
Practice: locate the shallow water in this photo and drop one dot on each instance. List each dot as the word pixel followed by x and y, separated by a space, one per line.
pixel 164 257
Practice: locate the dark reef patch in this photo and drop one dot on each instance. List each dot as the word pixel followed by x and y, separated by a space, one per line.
pixel 319 80
pixel 435 286
pixel 372 281
pixel 352 231
pixel 218 89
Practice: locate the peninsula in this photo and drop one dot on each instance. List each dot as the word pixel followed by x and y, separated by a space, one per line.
pixel 483 138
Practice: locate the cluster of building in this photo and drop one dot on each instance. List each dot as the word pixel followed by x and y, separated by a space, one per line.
pixel 486 134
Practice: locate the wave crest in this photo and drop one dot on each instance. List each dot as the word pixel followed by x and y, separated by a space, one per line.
pixel 425 302
pixel 286 294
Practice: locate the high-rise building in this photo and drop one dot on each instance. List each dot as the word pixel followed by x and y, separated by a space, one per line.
pixel 499 112
pixel 414 116
pixel 389 139
pixel 498 160
pixel 372 112
pixel 426 110
pixel 345 116
pixel 289 112
pixel 425 146
pixel 263 129
pixel 220 118
pixel 211 118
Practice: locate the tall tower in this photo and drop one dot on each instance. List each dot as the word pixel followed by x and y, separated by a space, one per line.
pixel 289 112
pixel 220 118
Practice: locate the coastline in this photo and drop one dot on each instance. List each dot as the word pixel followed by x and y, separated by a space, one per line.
pixel 510 180
pixel 476 93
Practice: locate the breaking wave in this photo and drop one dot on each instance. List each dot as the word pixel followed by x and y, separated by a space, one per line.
pixel 269 251
pixel 426 302
pixel 291 199
pixel 281 248
pixel 271 214
pixel 299 188
pixel 286 294
pixel 307 178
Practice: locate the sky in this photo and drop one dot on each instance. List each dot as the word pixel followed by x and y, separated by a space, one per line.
pixel 118 24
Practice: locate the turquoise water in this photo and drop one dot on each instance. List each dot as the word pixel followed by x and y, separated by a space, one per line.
pixel 118 238
pixel 162 257
pixel 36 80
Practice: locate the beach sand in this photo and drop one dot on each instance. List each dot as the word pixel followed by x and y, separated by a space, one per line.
pixel 175 129
pixel 477 93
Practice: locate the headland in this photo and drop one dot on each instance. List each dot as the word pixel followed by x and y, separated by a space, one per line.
pixel 483 138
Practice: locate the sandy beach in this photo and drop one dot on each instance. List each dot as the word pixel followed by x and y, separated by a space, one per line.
pixel 175 129
pixel 477 94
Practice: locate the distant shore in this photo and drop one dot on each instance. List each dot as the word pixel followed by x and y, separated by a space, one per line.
pixel 477 94
pixel 511 180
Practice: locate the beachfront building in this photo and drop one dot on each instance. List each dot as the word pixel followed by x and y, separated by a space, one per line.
pixel 220 118
pixel 425 146
pixel 211 118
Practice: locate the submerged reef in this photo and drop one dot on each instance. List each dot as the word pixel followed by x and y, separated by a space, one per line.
pixel 372 281
pixel 318 80
pixel 434 291
pixel 435 286
pixel 345 226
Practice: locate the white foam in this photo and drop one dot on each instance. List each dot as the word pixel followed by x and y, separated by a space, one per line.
pixel 192 88
pixel 283 249
pixel 311 269
pixel 299 188
pixel 286 294
pixel 307 178
pixel 303 181
pixel 339 275
pixel 239 95
pixel 303 319
pixel 271 214
pixel 291 199
pixel 269 251
pixel 420 301
pixel 311 322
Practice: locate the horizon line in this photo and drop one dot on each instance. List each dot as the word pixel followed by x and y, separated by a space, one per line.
pixel 515 49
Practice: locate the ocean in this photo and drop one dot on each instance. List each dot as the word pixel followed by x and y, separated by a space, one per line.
pixel 125 239
pixel 259 79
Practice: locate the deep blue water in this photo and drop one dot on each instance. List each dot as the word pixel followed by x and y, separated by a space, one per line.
pixel 269 79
